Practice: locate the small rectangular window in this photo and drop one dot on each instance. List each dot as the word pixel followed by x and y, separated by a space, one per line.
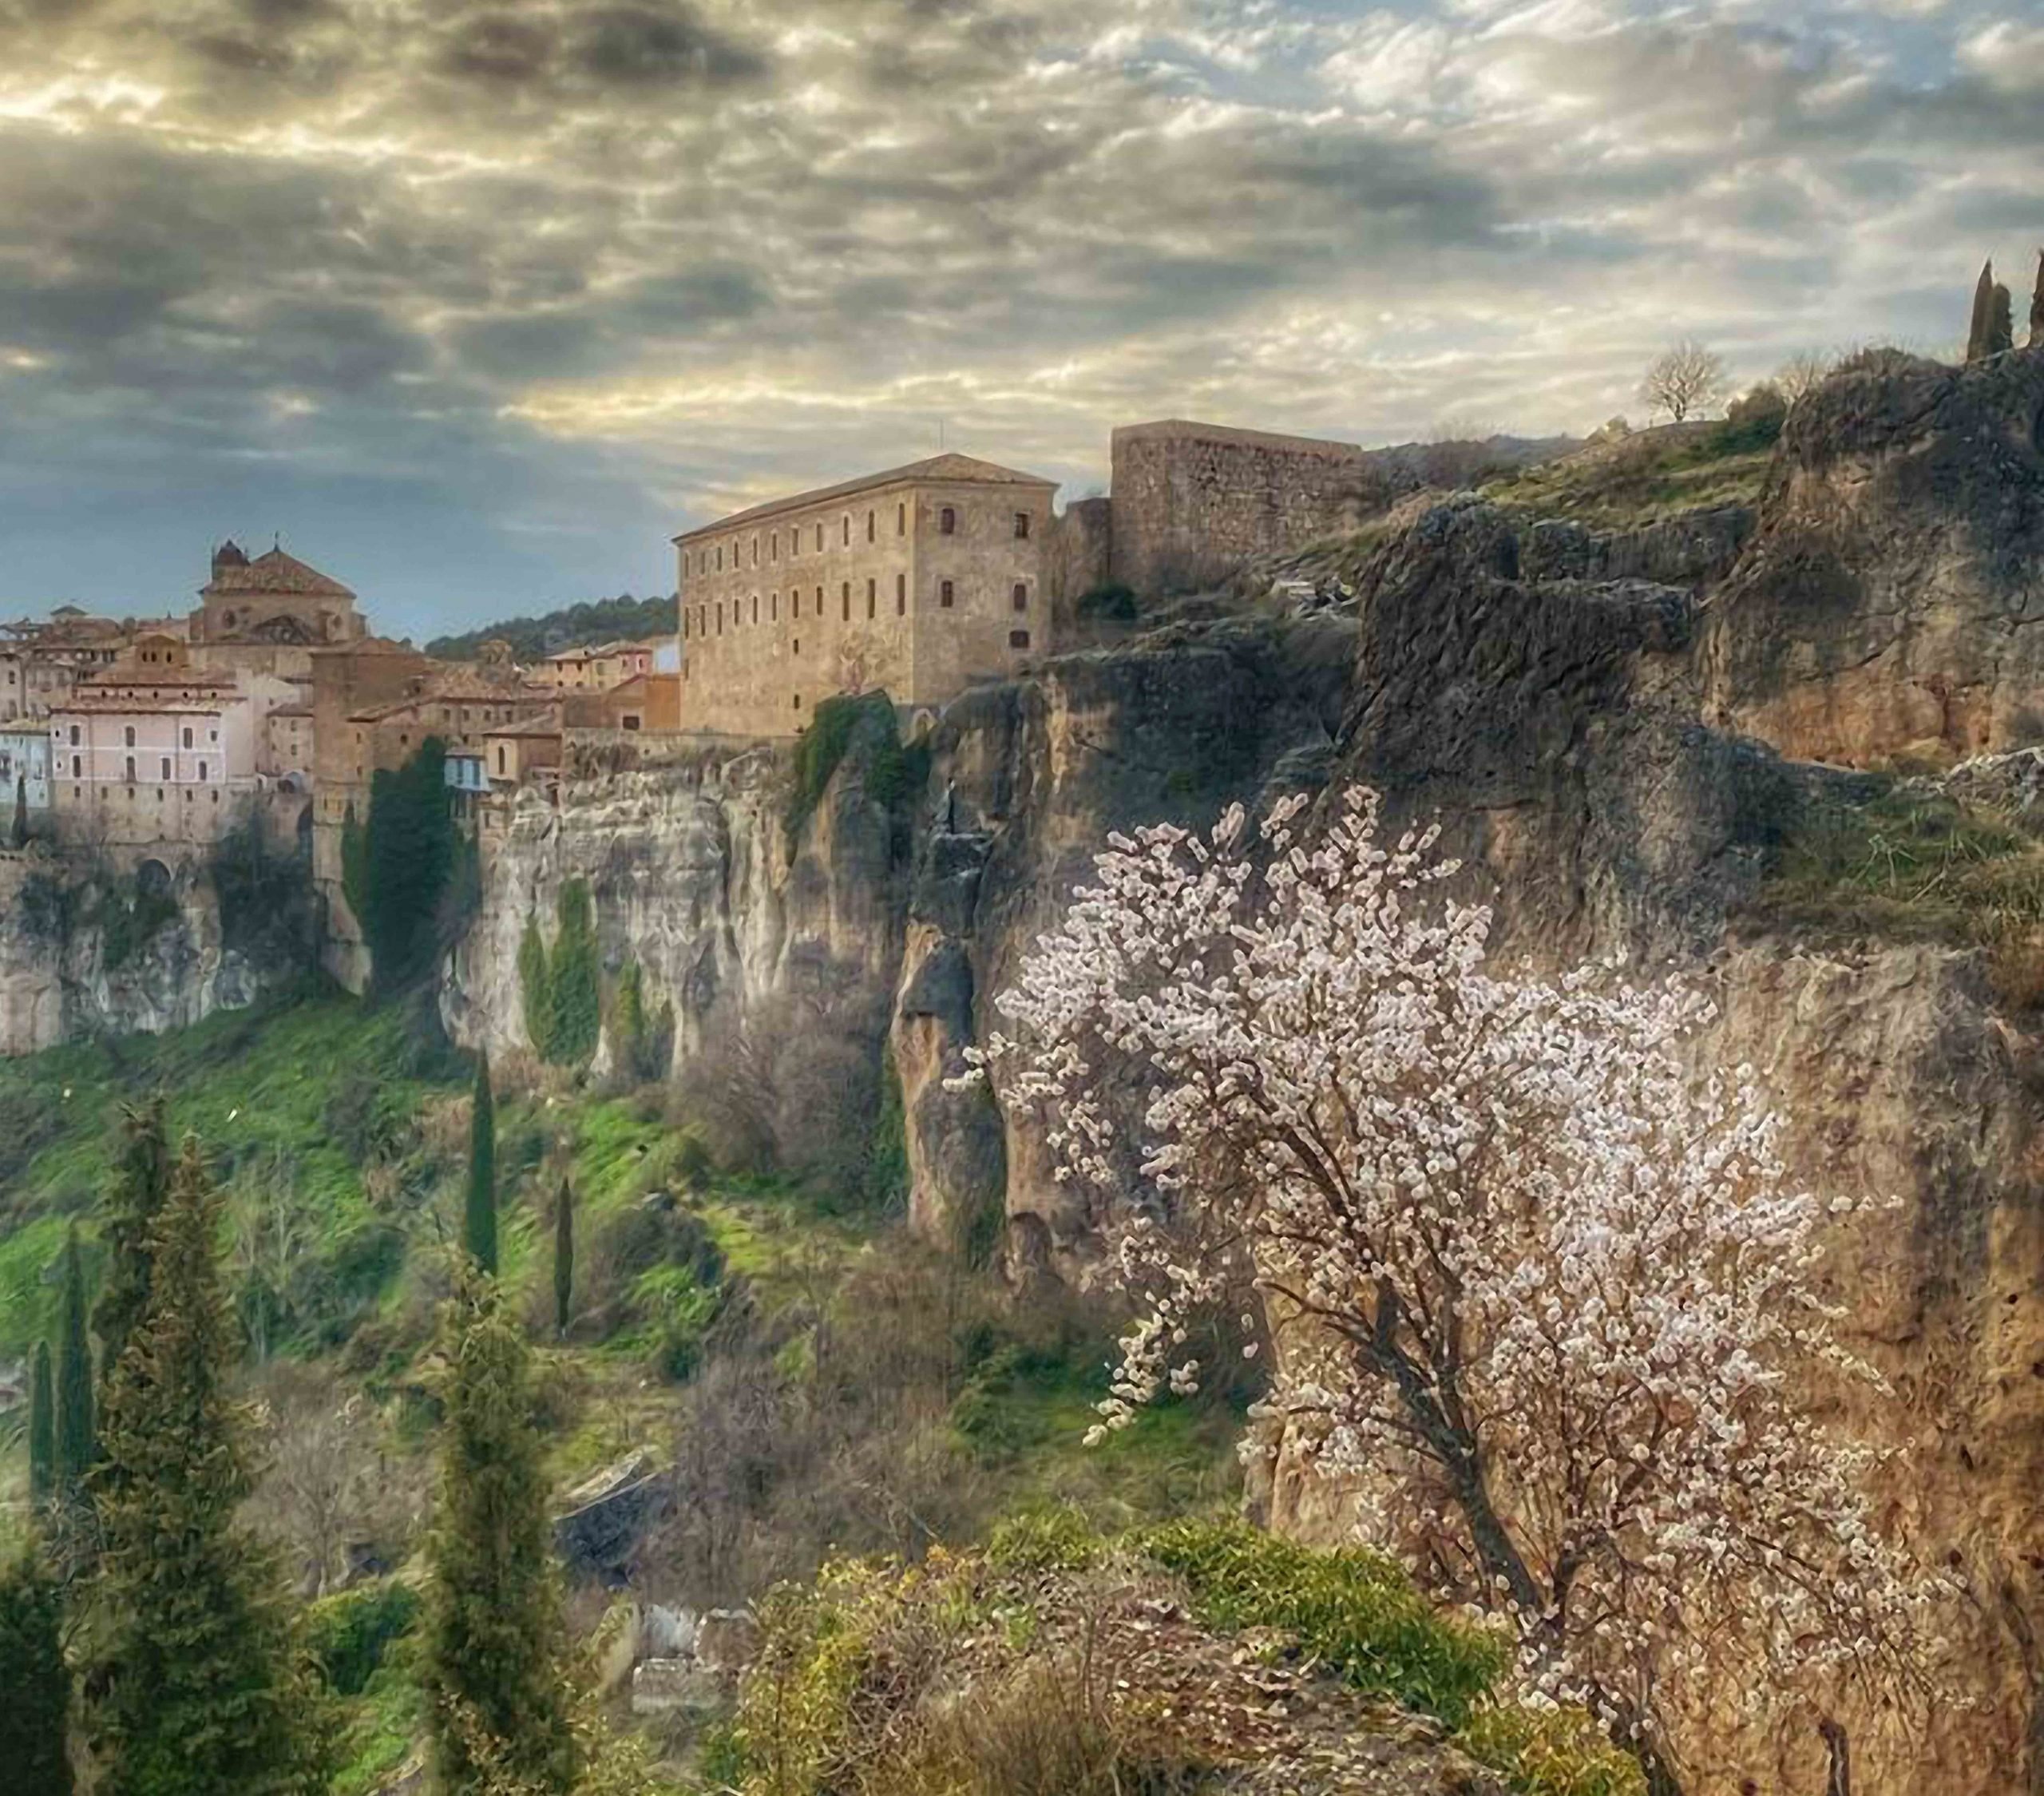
pixel 1019 598
pixel 847 524
pixel 1018 639
pixel 901 519
pixel 900 595
pixel 798 645
pixel 819 539
pixel 773 607
pixel 872 596
pixel 845 598
pixel 945 593
pixel 165 773
pixel 755 608
pixel 947 522
pixel 869 526
pixel 773 547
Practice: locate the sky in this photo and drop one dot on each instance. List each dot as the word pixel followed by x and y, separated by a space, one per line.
pixel 476 302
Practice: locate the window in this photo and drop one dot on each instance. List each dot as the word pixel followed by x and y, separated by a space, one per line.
pixel 1020 597
pixel 872 596
pixel 773 547
pixel 202 771
pixel 74 735
pixel 755 608
pixel 797 701
pixel 794 603
pixel 1018 639
pixel 755 549
pixel 819 539
pixel 846 597
pixel 819 602
pixel 131 770
pixel 945 593
pixel 720 617
pixel 798 645
pixel 187 737
pixel 947 522
pixel 901 519
pixel 500 757
pixel 165 773
pixel 773 607
pixel 684 623
pixel 869 526
pixel 847 523
pixel 212 736
pixel 720 557
pixel 901 594
pixel 127 737
pixel 1021 525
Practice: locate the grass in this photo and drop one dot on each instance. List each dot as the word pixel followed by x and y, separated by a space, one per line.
pixel 1644 478
pixel 309 1084
pixel 1898 862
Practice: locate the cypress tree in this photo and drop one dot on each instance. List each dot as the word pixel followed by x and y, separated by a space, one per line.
pixel 76 1446
pixel 495 1645
pixel 21 811
pixel 35 1687
pixel 2037 306
pixel 1978 332
pixel 564 1258
pixel 532 986
pixel 128 1221
pixel 42 1429
pixel 202 1695
pixel 479 1221
pixel 574 1003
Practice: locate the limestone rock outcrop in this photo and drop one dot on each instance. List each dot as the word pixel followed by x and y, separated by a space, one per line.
pixel 1892 602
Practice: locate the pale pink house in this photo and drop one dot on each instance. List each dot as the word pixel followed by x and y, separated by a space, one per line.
pixel 158 752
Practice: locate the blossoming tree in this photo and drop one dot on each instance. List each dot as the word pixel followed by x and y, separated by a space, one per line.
pixel 1540 1293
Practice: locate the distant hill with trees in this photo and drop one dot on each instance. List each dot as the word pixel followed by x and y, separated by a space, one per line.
pixel 622 618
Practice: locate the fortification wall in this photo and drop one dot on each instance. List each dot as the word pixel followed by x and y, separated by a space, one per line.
pixel 1193 502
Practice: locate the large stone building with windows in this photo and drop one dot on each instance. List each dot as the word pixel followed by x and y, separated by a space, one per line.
pixel 915 581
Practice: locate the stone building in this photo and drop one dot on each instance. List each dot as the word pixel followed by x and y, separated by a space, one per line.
pixel 914 581
pixel 1192 502
pixel 275 602
pixel 598 668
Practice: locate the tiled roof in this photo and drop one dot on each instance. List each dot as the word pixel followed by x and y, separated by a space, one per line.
pixel 936 467
pixel 272 572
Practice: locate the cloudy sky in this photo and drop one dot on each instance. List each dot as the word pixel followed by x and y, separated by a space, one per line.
pixel 479 301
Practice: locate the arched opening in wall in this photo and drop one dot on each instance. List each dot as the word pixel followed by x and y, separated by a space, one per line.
pixel 152 879
pixel 301 833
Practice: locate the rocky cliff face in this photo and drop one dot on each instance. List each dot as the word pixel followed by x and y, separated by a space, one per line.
pixel 1892 602
pixel 1564 711
pixel 83 953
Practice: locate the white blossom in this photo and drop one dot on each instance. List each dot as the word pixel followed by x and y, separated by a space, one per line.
pixel 1542 1298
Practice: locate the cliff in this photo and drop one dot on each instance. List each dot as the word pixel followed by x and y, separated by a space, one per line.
pixel 86 948
pixel 1620 744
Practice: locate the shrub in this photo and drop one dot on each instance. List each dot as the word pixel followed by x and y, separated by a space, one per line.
pixel 1112 603
pixel 1060 1540
pixel 1549 1752
pixel 347 1634
pixel 1356 1611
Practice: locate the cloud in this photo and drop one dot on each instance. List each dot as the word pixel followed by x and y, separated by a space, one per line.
pixel 579 271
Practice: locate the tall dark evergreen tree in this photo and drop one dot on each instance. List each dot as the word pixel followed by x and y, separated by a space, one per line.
pixel 42 1429
pixel 532 986
pixel 201 1693
pixel 21 809
pixel 495 1644
pixel 35 1684
pixel 408 858
pixel 127 1224
pixel 564 1259
pixel 479 1220
pixel 574 994
pixel 77 1445
pixel 2037 306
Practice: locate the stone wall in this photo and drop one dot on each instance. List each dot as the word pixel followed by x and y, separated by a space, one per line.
pixel 1192 502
